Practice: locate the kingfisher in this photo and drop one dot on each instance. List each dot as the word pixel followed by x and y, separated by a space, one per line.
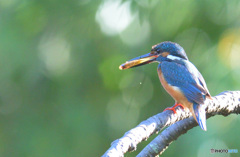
pixel 179 77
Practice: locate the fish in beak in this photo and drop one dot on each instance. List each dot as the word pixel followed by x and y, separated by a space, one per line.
pixel 138 61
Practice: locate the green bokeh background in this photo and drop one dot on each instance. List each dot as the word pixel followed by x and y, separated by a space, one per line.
pixel 62 94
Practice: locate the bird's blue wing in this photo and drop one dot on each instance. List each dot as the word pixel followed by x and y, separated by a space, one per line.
pixel 186 77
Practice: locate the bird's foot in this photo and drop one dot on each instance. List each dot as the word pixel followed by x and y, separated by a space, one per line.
pixel 173 108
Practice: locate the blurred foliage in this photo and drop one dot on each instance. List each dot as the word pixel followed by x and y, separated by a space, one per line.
pixel 62 93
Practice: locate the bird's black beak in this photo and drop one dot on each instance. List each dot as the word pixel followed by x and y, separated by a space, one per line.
pixel 138 61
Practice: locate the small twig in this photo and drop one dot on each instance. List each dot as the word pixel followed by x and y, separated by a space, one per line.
pixel 223 104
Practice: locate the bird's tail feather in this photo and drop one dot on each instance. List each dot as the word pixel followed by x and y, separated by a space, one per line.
pixel 200 115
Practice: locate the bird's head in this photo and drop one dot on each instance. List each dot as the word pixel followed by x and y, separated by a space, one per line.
pixel 164 50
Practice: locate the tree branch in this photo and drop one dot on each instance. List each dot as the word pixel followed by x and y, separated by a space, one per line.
pixel 223 104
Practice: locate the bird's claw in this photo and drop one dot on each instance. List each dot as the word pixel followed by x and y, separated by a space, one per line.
pixel 173 108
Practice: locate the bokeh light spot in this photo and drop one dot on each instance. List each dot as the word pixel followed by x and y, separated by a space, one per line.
pixel 114 16
pixel 54 51
pixel 229 50
pixel 137 33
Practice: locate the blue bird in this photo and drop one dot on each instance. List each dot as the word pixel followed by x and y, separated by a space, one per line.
pixel 179 77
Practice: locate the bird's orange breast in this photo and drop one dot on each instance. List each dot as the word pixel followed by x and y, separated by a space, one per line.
pixel 175 92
